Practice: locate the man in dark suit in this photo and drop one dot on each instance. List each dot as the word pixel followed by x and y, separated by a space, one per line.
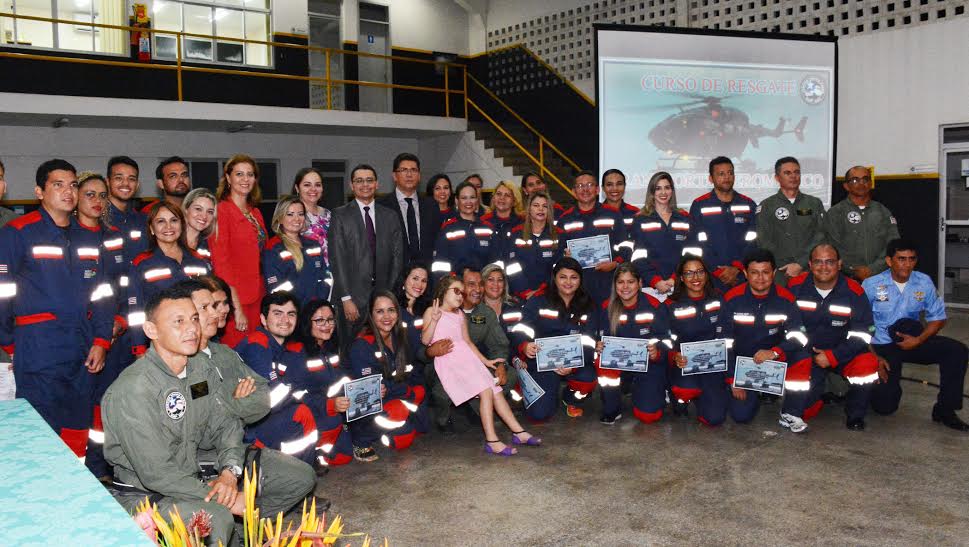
pixel 365 248
pixel 418 214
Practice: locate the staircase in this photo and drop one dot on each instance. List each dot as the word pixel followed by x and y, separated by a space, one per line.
pixel 512 156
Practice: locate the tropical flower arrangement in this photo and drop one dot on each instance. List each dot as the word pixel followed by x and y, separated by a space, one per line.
pixel 257 532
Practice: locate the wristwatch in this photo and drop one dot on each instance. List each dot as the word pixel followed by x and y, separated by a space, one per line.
pixel 234 469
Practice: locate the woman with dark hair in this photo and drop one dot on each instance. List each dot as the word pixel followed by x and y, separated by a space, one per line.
pixel 382 348
pixel 631 314
pixel 412 294
pixel 167 261
pixel 308 185
pixel 439 189
pixel 694 310
pixel 238 240
pixel 614 190
pixel 565 308
pixel 292 262
pixel 661 233
pixel 221 302
pixel 532 248
pixel 323 380
pixel 464 241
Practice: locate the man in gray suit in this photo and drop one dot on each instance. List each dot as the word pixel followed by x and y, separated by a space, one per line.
pixel 366 251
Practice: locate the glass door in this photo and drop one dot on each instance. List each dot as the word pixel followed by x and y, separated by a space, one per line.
pixel 954 237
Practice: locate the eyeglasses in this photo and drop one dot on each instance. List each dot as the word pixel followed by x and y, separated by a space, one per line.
pixel 323 321
pixel 824 262
pixel 585 186
pixel 408 170
pixel 457 291
pixel 690 274
pixel 858 180
pixel 369 180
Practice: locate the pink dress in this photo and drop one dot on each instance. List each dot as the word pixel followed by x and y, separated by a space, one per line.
pixel 463 376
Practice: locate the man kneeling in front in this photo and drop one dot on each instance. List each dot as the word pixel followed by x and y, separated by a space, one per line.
pixel 165 406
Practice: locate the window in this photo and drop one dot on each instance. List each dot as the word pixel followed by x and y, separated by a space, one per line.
pixel 227 19
pixel 73 37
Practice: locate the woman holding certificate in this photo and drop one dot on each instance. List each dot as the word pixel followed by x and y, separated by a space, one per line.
pixel 662 233
pixel 694 311
pixel 554 323
pixel 382 348
pixel 464 241
pixel 630 314
pixel 532 248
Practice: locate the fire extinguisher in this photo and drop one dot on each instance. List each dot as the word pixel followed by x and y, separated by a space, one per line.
pixel 140 41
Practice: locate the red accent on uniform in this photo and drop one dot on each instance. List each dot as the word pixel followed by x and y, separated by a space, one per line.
pixel 304 416
pixel 799 371
pixel 330 436
pixel 402 442
pixel 785 294
pixel 781 356
pixel 831 358
pixel 647 417
pixel 272 242
pixel 418 392
pixel 812 410
pixel 449 222
pixel 95 228
pixel 258 338
pixel 24 320
pixel 584 388
pixel 521 348
pixel 368 338
pixel 294 346
pixel 864 364
pixel 121 321
pixel 704 196
pixel 656 279
pixel 25 220
pixel 739 265
pixel 652 300
pixel 9 349
pixel 704 421
pixel 331 407
pixel 735 292
pixel 686 394
pixel 138 350
pixel 396 411
pixel 98 425
pixel 76 440
pixel 797 279
pixel 567 211
pixel 339 459
pixel 101 342
pixel 141 258
pixel 258 444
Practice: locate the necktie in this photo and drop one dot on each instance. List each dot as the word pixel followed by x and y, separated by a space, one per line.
pixel 413 234
pixel 372 238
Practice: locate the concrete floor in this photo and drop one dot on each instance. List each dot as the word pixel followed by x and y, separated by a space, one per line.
pixel 903 481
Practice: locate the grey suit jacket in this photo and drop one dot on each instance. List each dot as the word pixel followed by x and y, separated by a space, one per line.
pixel 350 258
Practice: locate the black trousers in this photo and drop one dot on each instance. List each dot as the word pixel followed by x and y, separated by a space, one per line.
pixel 951 356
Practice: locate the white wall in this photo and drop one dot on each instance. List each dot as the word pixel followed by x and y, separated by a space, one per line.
pixel 894 90
pixel 460 155
pixel 433 25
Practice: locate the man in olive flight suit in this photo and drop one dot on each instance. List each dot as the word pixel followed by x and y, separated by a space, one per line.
pixel 163 408
pixel 789 223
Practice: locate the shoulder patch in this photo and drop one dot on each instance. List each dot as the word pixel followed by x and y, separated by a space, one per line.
pixel 25 220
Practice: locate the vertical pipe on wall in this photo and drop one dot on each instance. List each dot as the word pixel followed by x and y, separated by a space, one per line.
pixel 447 93
pixel 178 61
pixel 326 58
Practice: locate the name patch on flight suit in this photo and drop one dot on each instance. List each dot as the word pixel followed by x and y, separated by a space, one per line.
pixel 176 405
pixel 805 212
pixel 200 389
pixel 547 254
pixel 477 319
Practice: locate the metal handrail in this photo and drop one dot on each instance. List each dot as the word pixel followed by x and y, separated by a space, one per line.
pixel 180 67
pixel 553 70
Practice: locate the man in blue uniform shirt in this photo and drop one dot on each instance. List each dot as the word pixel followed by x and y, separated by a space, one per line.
pixel 898 296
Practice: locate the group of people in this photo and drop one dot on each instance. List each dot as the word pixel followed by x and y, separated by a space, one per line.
pixel 245 334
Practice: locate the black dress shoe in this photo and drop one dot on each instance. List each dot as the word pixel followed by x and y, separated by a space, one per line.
pixel 949 419
pixel 855 424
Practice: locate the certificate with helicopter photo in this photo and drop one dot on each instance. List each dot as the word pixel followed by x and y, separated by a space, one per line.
pixel 364 395
pixel 590 251
pixel 557 352
pixel 767 377
pixel 704 357
pixel 626 354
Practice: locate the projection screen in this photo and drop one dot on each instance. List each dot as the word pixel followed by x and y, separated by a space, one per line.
pixel 672 99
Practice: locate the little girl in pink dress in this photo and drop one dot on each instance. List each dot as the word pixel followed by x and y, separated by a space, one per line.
pixel 462 371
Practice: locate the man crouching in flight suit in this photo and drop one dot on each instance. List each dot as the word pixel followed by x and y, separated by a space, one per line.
pixel 163 407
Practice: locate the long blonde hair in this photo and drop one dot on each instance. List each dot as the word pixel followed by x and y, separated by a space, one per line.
pixel 291 244
pixel 549 222
pixel 196 195
pixel 222 192
pixel 516 206
pixel 651 193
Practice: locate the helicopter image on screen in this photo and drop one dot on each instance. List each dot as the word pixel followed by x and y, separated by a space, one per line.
pixel 705 128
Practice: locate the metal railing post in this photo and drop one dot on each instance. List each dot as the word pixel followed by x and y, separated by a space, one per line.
pixel 465 72
pixel 541 156
pixel 329 100
pixel 447 94
pixel 178 64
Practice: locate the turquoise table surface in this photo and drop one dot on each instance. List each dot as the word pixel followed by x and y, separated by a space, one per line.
pixel 47 496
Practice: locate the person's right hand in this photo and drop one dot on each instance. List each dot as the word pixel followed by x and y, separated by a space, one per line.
pixel 242 322
pixel 680 360
pixel 435 311
pixel 664 286
pixel 531 350
pixel 883 368
pixel 224 490
pixel 728 275
pixel 564 371
pixel 245 388
pixel 739 394
pixel 341 404
pixel 350 310
pixel 501 373
pixel 439 348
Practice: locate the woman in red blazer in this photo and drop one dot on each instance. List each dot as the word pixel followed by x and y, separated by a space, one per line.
pixel 236 244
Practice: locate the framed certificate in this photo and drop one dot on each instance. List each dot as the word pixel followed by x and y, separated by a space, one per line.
pixel 531 391
pixel 558 352
pixel 767 377
pixel 627 354
pixel 364 395
pixel 589 251
pixel 704 357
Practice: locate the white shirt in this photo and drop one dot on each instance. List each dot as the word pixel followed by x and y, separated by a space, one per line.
pixel 402 203
pixel 824 292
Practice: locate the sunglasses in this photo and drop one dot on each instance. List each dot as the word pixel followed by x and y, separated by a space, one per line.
pixel 457 291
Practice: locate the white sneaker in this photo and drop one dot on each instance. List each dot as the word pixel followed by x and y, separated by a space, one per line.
pixel 795 424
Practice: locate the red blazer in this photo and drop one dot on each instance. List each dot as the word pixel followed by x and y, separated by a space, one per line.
pixel 235 251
